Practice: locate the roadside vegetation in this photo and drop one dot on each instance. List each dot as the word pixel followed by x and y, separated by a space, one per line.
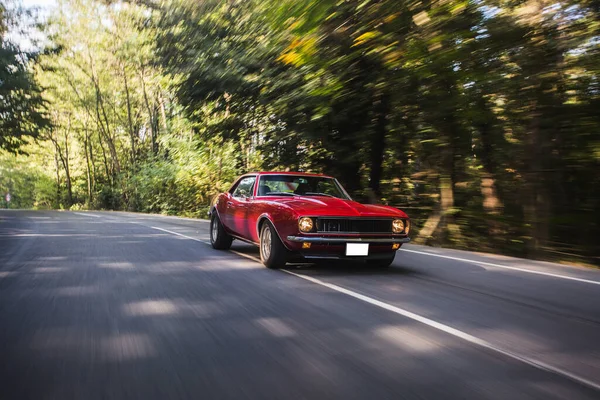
pixel 481 119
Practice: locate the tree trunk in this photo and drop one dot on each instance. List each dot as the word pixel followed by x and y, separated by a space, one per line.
pixel 87 166
pixel 57 169
pixel 104 126
pixel 447 229
pixel 94 169
pixel 382 108
pixel 538 202
pixel 163 113
pixel 63 158
pixel 132 133
pixel 151 115
pixel 492 204
pixel 67 169
pixel 106 165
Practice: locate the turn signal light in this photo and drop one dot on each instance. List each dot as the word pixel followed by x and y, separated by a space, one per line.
pixel 395 246
pixel 306 245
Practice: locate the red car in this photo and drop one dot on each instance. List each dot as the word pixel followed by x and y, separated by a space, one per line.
pixel 295 216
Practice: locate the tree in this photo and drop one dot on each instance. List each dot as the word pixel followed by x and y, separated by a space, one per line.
pixel 22 110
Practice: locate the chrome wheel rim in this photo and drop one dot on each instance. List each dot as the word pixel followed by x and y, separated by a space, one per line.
pixel 265 243
pixel 214 230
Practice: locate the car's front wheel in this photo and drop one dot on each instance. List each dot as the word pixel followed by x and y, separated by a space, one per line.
pixel 273 253
pixel 382 262
pixel 219 239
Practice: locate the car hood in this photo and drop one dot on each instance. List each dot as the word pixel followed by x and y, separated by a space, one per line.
pixel 334 207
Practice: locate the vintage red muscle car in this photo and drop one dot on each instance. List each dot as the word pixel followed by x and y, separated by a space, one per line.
pixel 295 216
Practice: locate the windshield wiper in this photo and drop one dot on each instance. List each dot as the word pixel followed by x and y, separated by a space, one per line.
pixel 319 194
pixel 280 194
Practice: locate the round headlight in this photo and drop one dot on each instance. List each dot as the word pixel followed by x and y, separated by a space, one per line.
pixel 305 224
pixel 407 226
pixel 397 226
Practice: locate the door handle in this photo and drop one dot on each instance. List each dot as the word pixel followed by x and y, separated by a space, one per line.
pixel 230 203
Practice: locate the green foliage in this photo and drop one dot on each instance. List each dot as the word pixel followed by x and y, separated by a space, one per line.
pixel 22 109
pixel 185 183
pixel 26 182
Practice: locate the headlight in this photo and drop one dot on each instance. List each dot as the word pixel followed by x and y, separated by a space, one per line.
pixel 407 226
pixel 397 226
pixel 305 224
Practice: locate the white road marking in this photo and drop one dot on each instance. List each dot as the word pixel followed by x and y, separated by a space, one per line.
pixel 142 215
pixel 248 256
pixel 506 267
pixel 452 331
pixel 426 321
pixel 52 235
pixel 179 234
pixel 87 215
pixel 205 242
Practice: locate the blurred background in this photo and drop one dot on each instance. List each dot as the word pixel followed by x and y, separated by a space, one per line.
pixel 479 118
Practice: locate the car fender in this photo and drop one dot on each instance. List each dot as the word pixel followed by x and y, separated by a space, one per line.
pixel 214 208
pixel 267 217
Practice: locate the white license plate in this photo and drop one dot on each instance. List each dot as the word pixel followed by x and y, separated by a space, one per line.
pixel 357 249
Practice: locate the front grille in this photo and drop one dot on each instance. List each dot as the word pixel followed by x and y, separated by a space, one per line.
pixel 346 225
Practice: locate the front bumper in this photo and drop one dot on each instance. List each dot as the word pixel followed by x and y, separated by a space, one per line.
pixel 340 240
pixel 335 247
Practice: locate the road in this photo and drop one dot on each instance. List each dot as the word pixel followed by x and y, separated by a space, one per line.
pixel 100 305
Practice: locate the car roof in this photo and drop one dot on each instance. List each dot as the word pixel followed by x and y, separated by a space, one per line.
pixel 287 173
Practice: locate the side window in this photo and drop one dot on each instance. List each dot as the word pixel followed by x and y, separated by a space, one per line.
pixel 245 187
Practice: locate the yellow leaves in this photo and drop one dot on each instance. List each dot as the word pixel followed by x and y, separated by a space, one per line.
pixel 421 18
pixel 390 18
pixel 291 58
pixel 299 51
pixel 295 44
pixel 459 7
pixel 363 4
pixel 365 37
pixel 294 25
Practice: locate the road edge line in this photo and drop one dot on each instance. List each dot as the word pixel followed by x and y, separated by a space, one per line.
pixel 248 256
pixel 504 267
pixel 86 215
pixel 174 233
pixel 451 331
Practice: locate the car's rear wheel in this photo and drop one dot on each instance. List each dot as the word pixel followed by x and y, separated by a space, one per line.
pixel 382 262
pixel 219 239
pixel 273 253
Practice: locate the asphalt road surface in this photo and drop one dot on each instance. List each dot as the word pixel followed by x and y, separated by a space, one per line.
pixel 127 306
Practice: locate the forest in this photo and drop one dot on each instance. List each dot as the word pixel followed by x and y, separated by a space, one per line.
pixel 479 118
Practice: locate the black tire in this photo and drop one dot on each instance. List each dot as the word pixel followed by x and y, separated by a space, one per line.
pixel 273 253
pixel 219 239
pixel 382 262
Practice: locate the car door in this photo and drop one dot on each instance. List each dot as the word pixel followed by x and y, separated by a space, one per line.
pixel 238 205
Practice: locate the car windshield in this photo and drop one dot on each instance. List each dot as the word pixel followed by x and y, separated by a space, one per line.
pixel 296 185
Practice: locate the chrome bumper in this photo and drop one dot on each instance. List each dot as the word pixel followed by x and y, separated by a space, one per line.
pixel 311 239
